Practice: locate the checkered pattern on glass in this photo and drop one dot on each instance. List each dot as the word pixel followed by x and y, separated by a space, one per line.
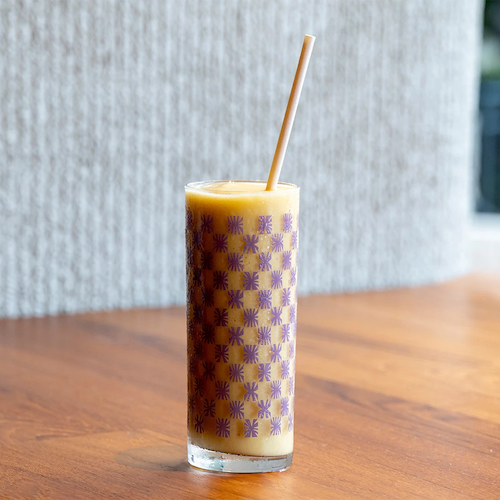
pixel 241 324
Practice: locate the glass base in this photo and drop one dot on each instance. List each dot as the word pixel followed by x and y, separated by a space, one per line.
pixel 228 462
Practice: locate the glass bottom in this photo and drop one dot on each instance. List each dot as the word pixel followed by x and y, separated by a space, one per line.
pixel 228 462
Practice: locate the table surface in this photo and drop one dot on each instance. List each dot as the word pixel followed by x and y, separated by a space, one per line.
pixel 397 396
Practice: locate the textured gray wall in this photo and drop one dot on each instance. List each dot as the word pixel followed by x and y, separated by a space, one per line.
pixel 109 107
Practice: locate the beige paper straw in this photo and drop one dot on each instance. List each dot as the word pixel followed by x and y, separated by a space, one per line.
pixel 291 109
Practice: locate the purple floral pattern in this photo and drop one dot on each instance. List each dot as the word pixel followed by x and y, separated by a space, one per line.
pixel 251 428
pixel 264 372
pixel 207 223
pixel 235 299
pixel 265 261
pixel 198 387
pixel 285 333
pixel 250 317
pixel 251 389
pixel 220 280
pixel 264 408
pixel 197 277
pixel 198 240
pixel 264 335
pixel 222 426
pixel 250 354
pixel 198 313
pixel 276 389
pixel 276 316
pixel 208 334
pixel 198 349
pixel 235 261
pixel 221 317
pixel 198 423
pixel 235 224
pixel 207 295
pixel 236 372
pixel 189 220
pixel 287 259
pixel 225 329
pixel 265 297
pixel 236 409
pixel 209 408
pixel 276 279
pixel 220 243
pixel 284 407
pixel 287 223
pixel 236 335
pixel 250 281
pixel 208 370
pixel 222 353
pixel 285 368
pixel 265 224
pixel 285 297
pixel 275 353
pixel 190 257
pixel 221 389
pixel 251 243
pixel 275 426
pixel 277 242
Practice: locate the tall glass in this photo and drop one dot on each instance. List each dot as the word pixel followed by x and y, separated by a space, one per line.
pixel 242 254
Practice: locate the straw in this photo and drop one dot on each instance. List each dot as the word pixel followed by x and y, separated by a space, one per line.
pixel 291 109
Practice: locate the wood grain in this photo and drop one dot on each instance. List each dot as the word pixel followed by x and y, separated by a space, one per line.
pixel 398 396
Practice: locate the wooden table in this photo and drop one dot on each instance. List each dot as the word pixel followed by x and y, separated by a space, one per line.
pixel 398 396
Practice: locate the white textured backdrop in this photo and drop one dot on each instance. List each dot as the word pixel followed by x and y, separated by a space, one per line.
pixel 107 108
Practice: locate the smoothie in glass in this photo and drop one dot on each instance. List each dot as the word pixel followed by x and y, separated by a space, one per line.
pixel 241 251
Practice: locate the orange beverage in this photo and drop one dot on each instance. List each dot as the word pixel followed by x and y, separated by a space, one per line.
pixel 242 250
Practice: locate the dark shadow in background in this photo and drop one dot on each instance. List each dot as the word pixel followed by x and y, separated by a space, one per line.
pixel 488 193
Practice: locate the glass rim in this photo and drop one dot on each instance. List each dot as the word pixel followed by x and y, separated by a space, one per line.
pixel 198 184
